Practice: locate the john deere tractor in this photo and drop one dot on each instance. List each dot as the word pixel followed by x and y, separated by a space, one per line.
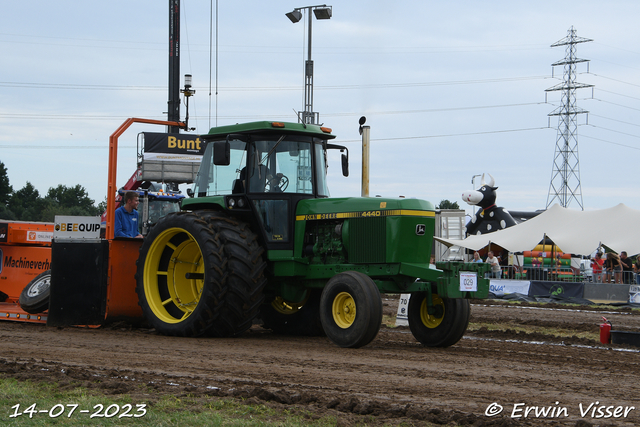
pixel 260 238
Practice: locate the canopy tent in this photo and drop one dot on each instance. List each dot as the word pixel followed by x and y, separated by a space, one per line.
pixel 576 232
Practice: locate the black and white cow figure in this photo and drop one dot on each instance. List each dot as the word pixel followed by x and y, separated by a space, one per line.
pixel 490 217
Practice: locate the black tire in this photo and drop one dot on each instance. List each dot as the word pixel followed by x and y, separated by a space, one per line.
pixel 211 275
pixel 34 298
pixel 245 280
pixel 442 329
pixel 351 309
pixel 298 319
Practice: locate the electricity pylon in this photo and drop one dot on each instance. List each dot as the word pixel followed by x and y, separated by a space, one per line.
pixel 565 176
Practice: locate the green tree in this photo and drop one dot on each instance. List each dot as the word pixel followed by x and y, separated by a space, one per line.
pixel 72 201
pixel 26 203
pixel 5 213
pixel 5 187
pixel 102 206
pixel 446 204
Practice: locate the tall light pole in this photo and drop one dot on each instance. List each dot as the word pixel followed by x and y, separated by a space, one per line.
pixel 173 112
pixel 308 116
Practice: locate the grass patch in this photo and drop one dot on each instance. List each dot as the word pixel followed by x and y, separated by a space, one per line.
pixel 122 410
pixel 389 321
pixel 531 329
pixel 566 305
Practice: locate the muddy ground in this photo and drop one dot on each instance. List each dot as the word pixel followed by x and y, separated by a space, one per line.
pixel 393 380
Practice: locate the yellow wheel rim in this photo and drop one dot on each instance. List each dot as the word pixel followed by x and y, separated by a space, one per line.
pixel 344 310
pixel 430 321
pixel 173 275
pixel 283 306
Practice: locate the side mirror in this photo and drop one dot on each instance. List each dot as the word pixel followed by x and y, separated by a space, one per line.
pixel 221 153
pixel 345 157
pixel 189 192
pixel 345 164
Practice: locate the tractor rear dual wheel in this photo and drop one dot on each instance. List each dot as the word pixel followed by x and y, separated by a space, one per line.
pixel 445 326
pixel 200 274
pixel 351 309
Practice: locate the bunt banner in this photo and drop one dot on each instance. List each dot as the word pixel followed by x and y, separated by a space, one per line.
pixel 172 147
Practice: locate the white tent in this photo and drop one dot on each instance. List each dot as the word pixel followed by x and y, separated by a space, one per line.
pixel 576 232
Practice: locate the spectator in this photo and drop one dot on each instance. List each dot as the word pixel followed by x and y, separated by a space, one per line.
pixel 496 272
pixel 627 268
pixel 596 266
pixel 636 269
pixel 476 257
pixel 126 224
pixel 613 267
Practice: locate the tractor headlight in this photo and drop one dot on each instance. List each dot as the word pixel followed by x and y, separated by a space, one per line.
pixel 241 203
pixel 232 203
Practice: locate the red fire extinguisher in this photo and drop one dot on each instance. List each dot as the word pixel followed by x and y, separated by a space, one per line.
pixel 605 331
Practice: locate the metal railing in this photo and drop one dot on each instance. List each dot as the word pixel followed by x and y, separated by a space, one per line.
pixel 564 274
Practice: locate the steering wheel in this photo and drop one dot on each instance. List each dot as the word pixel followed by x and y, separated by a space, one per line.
pixel 276 184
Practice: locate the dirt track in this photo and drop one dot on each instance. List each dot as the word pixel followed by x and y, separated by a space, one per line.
pixel 393 379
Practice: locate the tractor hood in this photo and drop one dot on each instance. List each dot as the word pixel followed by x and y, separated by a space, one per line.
pixel 362 207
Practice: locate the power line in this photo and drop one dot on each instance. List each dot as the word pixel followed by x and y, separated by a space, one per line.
pixel 617 105
pixel 614 80
pixel 611 142
pixel 405 138
pixel 66 86
pixel 619 94
pixel 267 116
pixel 62 147
pixel 616 131
pixel 614 120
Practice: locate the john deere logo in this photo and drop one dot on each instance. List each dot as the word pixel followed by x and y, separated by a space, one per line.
pixel 420 229
pixel 556 290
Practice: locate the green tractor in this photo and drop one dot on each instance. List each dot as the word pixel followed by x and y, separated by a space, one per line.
pixel 260 238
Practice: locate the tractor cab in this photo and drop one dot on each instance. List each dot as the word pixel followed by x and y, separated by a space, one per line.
pixel 260 171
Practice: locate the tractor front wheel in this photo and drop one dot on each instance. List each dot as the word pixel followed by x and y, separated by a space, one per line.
pixel 445 326
pixel 351 309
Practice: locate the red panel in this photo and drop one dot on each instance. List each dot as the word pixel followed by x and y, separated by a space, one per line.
pixel 19 265
pixel 29 233
pixel 122 299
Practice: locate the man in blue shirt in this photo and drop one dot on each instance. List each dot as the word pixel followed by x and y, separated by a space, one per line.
pixel 127 216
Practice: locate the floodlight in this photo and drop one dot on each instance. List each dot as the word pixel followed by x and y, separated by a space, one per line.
pixel 294 16
pixel 322 12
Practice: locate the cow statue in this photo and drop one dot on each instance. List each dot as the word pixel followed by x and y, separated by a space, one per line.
pixel 489 218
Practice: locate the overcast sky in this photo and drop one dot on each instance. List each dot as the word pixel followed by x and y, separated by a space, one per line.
pixel 450 89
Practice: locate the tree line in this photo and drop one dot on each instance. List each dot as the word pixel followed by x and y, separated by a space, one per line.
pixel 27 204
